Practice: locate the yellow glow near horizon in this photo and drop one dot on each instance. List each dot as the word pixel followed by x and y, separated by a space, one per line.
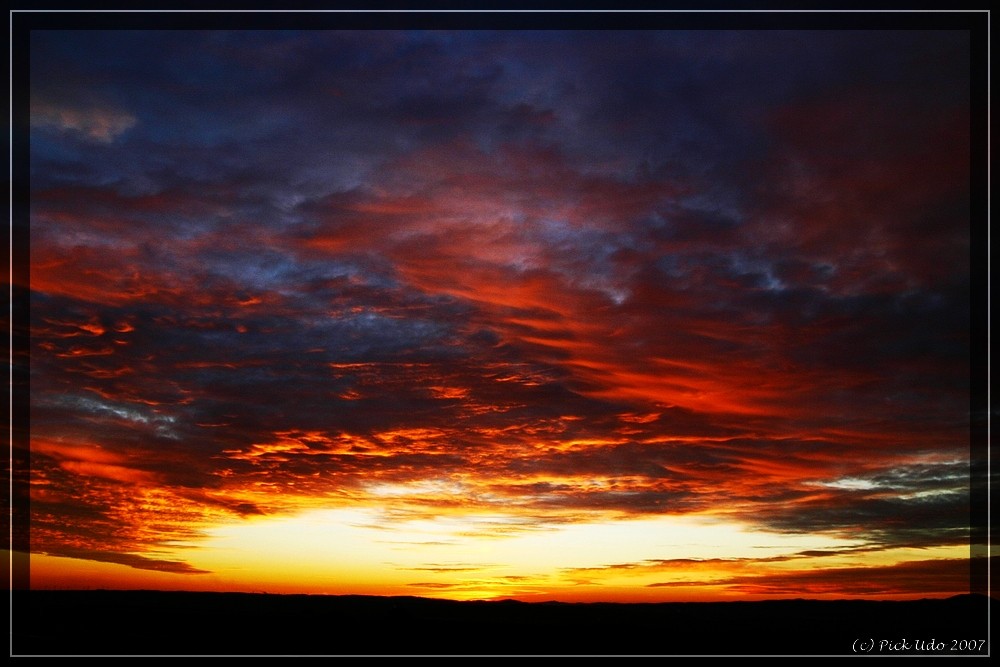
pixel 479 556
pixel 470 556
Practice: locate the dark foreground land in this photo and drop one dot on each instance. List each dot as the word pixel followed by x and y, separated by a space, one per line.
pixel 177 623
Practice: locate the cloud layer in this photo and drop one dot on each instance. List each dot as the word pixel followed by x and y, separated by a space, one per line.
pixel 555 274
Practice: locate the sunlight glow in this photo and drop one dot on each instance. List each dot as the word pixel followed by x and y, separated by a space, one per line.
pixel 470 556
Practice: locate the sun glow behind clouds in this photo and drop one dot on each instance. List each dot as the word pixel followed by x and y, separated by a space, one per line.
pixel 468 556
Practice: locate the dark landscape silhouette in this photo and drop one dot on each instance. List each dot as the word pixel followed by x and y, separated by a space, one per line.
pixel 182 623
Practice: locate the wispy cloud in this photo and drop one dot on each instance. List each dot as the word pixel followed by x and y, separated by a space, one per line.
pixel 100 124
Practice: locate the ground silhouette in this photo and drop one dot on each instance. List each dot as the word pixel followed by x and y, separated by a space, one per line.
pixel 182 623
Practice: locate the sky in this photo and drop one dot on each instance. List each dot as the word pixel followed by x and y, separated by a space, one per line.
pixel 576 315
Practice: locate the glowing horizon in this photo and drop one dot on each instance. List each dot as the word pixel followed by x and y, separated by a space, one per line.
pixel 574 315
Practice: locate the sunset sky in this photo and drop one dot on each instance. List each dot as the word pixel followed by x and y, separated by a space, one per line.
pixel 577 315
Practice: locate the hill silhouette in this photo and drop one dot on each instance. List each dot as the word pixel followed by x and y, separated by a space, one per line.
pixel 106 622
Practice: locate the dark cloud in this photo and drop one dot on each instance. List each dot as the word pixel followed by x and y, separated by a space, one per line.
pixel 434 584
pixel 770 576
pixel 132 560
pixel 913 577
pixel 941 518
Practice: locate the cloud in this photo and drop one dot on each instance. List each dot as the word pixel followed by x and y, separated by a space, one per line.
pixel 131 560
pixel 776 575
pixel 438 567
pixel 100 124
pixel 914 577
